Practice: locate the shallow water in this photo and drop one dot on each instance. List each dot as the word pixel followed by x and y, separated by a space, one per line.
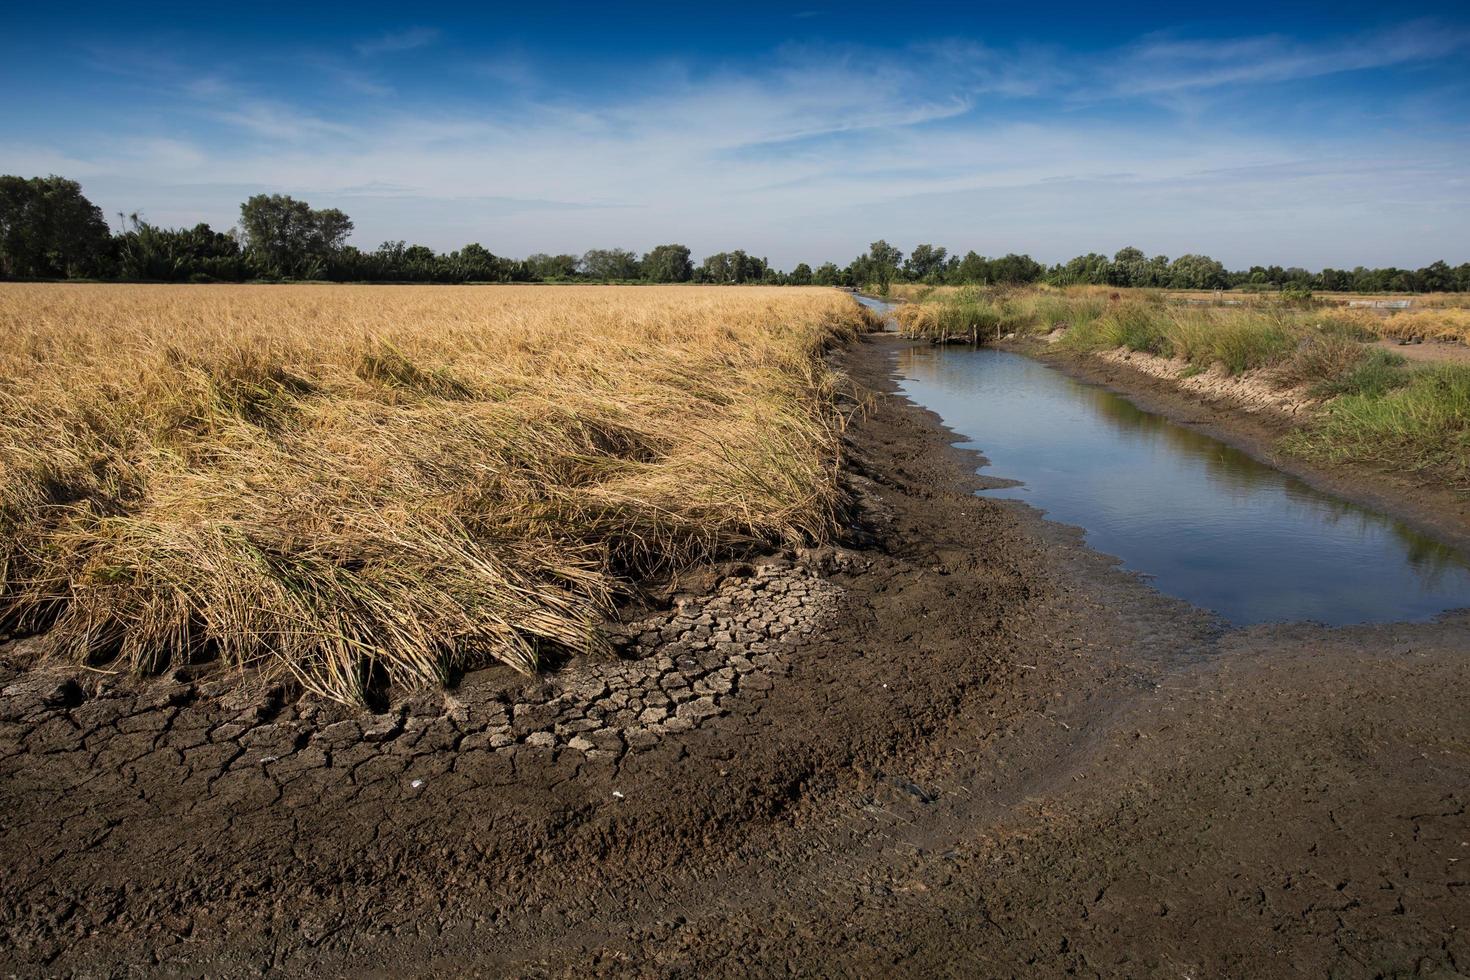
pixel 890 325
pixel 1204 521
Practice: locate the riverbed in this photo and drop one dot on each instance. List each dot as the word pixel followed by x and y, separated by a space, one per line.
pixel 997 756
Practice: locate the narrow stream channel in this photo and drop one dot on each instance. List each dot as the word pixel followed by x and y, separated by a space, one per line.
pixel 879 306
pixel 1204 521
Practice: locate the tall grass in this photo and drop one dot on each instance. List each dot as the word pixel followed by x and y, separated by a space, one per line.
pixel 967 314
pixel 1053 312
pixel 1421 424
pixel 1041 307
pixel 918 292
pixel 1239 341
pixel 369 486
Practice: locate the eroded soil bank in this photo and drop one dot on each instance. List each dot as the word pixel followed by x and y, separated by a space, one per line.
pixel 963 744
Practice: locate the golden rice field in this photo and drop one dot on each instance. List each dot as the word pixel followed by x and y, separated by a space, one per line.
pixel 1443 323
pixel 367 486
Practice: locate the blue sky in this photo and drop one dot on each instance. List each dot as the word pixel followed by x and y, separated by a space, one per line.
pixel 1299 135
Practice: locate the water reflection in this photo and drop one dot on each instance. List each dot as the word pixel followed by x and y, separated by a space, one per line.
pixel 1206 521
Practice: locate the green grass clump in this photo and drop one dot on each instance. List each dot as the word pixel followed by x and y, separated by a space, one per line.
pixel 1138 327
pixel 1376 373
pixel 950 313
pixel 1420 424
pixel 1330 363
pixel 977 311
pixel 1242 345
pixel 1053 311
pixel 1322 356
pixel 1237 340
pixel 970 313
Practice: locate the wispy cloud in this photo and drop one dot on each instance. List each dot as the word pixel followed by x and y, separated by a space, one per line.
pixel 509 67
pixel 1162 64
pixel 1020 72
pixel 807 151
pixel 396 41
pixel 806 95
pixel 347 77
pixel 280 121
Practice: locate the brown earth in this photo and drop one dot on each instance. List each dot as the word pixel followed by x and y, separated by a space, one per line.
pixel 963 744
pixel 1430 352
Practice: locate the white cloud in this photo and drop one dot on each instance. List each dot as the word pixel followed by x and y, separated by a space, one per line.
pixel 279 121
pixel 815 152
pixel 1162 65
pixel 397 41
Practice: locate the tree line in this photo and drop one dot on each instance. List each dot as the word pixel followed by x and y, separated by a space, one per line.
pixel 884 264
pixel 49 230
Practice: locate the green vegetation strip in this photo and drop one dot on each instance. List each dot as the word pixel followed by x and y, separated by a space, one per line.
pixel 1377 409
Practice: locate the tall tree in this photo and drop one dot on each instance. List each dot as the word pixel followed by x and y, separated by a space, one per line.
pixel 734 267
pixel 1437 277
pixel 1130 268
pixel 668 263
pixel 610 263
pixel 1198 272
pixel 828 274
pixel 288 238
pixel 476 263
pixel 1014 269
pixel 883 260
pixel 543 266
pixel 48 228
pixel 716 268
pixel 926 262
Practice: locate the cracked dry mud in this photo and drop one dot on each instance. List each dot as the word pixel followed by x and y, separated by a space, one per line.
pixel 692 660
pixel 65 733
pixel 963 744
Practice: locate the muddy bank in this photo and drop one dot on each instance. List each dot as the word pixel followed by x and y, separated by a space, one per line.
pixel 976 748
pixel 1241 416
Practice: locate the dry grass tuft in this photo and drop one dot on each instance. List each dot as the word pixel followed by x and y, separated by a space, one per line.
pixel 370 486
pixel 1443 323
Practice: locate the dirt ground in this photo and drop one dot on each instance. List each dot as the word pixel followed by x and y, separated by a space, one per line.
pixel 963 744
pixel 1432 352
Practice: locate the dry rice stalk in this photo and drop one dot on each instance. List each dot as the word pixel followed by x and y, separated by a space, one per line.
pixel 368 485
